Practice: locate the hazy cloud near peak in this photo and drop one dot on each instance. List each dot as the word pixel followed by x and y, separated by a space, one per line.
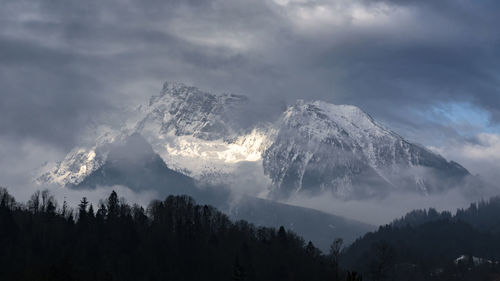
pixel 65 63
pixel 481 155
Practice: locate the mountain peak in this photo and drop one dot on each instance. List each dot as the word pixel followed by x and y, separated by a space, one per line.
pixel 322 146
pixel 175 89
pixel 321 110
pixel 320 120
pixel 181 91
pixel 186 110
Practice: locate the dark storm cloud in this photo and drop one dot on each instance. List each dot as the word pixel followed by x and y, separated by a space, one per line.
pixel 63 63
pixel 43 95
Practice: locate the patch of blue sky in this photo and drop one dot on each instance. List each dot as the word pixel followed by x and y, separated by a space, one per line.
pixel 464 117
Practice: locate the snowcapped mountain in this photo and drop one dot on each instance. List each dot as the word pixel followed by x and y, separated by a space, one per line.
pixel 339 148
pixel 193 131
pixel 313 147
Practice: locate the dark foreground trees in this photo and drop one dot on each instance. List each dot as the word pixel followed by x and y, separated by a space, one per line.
pixel 177 239
pixel 174 239
pixel 429 245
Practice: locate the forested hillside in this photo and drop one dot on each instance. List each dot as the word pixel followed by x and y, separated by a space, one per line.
pixel 432 245
pixel 174 239
pixel 177 239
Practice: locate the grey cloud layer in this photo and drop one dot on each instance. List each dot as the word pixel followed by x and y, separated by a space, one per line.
pixel 64 62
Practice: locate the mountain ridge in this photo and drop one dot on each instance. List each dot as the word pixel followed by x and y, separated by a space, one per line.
pixel 314 146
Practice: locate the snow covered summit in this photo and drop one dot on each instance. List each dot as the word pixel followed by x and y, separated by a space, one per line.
pixel 339 148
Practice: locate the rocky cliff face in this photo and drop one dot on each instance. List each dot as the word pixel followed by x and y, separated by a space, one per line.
pixel 182 110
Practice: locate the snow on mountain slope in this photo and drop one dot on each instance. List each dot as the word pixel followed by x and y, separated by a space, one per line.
pixel 80 161
pixel 193 132
pixel 322 146
pixel 313 147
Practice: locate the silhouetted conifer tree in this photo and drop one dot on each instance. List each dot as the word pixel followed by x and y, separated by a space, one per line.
pixel 90 213
pixel 82 210
pixel 64 210
pixel 113 206
pixel 102 212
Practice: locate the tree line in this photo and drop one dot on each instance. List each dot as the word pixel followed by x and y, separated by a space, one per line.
pixel 432 245
pixel 177 239
pixel 173 239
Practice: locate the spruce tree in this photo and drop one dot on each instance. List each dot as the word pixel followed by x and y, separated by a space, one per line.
pixel 82 210
pixel 113 205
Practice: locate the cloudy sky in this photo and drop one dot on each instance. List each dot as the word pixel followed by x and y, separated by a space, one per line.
pixel 428 69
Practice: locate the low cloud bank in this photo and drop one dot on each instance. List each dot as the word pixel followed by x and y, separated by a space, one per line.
pixel 384 210
pixel 480 155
